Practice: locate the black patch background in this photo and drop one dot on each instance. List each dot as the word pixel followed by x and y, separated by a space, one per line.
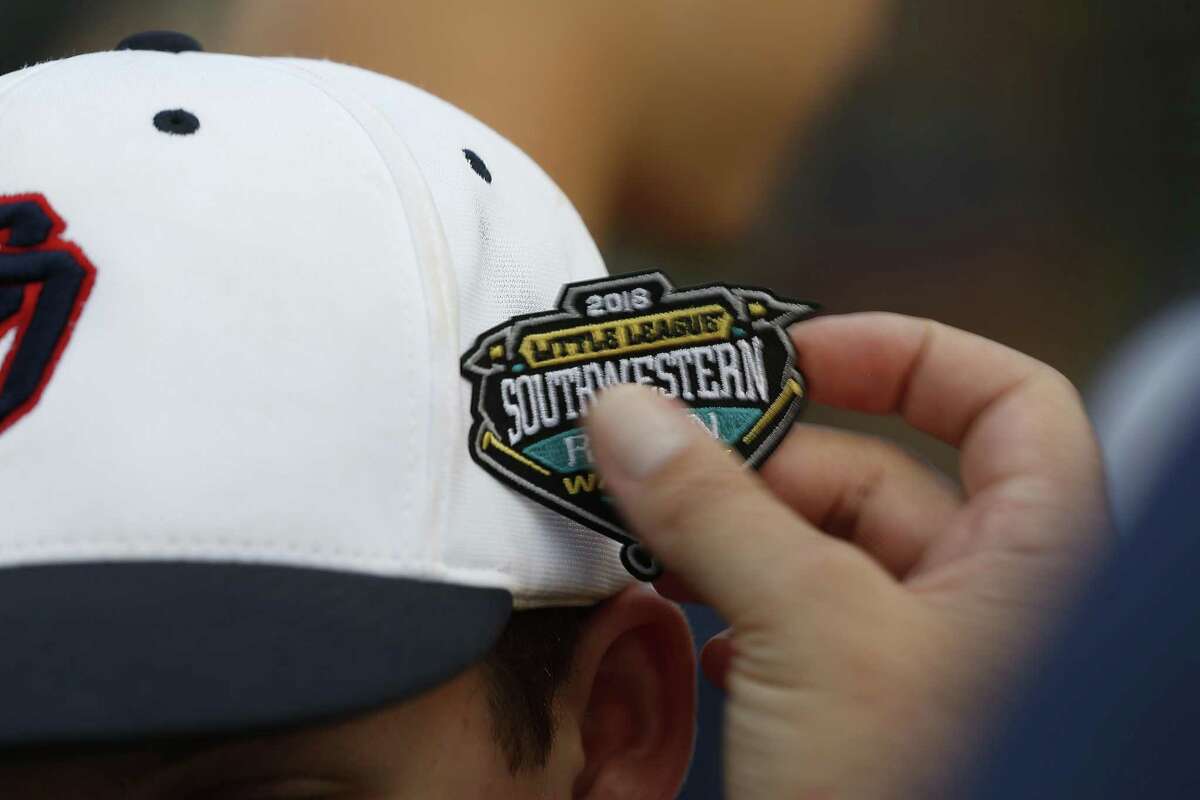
pixel 590 508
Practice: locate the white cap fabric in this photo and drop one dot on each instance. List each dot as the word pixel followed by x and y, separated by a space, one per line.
pixel 266 369
pixel 265 372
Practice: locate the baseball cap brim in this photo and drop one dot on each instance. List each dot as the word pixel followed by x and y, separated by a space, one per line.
pixel 113 652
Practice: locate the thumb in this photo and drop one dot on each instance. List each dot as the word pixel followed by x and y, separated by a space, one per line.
pixel 707 518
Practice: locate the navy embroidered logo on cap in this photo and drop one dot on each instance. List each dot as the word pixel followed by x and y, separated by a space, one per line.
pixel 44 283
pixel 722 350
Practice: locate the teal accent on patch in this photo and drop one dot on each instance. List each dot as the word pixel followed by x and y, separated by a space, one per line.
pixel 518 367
pixel 738 332
pixel 563 452
pixel 569 451
pixel 727 424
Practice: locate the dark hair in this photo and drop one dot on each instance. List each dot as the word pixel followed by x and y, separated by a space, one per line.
pixel 524 671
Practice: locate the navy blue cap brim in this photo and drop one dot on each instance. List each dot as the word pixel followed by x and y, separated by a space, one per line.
pixel 117 652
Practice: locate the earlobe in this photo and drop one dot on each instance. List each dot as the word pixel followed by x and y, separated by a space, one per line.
pixel 632 699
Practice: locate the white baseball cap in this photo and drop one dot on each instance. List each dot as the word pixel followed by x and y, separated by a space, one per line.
pixel 235 489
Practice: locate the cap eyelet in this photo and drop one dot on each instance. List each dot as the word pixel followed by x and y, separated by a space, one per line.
pixel 477 164
pixel 177 122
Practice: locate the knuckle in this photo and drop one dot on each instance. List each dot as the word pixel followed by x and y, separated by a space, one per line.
pixel 883 461
pixel 1013 522
pixel 1060 385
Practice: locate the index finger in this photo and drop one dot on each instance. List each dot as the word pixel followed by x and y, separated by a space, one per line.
pixel 1011 415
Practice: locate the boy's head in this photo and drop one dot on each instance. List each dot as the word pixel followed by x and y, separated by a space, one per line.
pixel 233 448
pixel 571 702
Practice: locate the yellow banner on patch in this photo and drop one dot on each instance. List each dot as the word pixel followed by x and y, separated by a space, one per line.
pixel 587 342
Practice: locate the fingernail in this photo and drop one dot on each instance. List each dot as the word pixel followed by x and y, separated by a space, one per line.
pixel 641 430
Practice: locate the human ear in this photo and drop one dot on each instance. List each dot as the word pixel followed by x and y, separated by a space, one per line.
pixel 631 703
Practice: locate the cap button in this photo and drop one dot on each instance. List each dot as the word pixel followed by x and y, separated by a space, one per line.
pixel 162 41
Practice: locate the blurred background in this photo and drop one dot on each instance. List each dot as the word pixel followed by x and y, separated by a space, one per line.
pixel 1025 169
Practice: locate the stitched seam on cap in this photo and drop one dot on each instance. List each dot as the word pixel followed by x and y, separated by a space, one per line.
pixel 314 81
pixel 447 283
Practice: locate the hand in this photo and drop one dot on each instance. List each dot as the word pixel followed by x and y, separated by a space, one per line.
pixel 877 611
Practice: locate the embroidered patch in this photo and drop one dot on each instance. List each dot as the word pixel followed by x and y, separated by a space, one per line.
pixel 44 283
pixel 722 350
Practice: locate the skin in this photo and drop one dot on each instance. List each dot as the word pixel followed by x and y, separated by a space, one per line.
pixel 878 613
pixel 625 723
